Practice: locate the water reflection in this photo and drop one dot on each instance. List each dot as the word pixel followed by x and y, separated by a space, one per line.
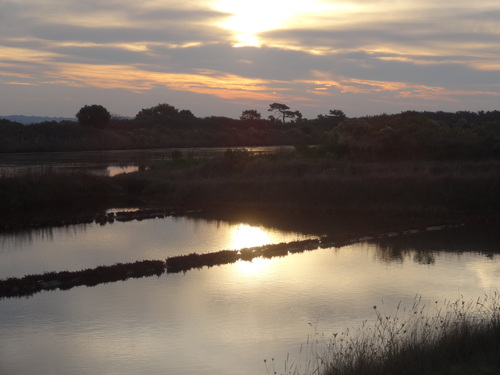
pixel 255 270
pixel 225 320
pixel 423 247
pixel 106 162
pixel 397 254
pixel 244 235
pixel 113 170
pixel 77 247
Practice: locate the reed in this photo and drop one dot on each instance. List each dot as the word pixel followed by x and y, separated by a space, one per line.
pixel 49 188
pixel 284 182
pixel 455 337
pixel 325 185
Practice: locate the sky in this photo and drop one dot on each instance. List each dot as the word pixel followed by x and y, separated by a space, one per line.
pixel 220 57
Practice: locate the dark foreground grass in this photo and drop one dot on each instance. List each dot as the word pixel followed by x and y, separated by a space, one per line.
pixel 454 338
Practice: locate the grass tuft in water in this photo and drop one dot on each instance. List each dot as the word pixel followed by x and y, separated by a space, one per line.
pixel 456 338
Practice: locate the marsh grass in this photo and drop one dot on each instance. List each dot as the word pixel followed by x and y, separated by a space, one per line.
pixel 306 184
pixel 285 182
pixel 455 337
pixel 49 187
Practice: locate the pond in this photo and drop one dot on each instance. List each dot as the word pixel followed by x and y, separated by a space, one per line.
pixel 108 163
pixel 220 320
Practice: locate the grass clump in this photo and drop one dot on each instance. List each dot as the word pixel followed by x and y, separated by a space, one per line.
pixel 460 337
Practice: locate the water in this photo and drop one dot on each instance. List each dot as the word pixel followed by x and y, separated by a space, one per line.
pixel 220 320
pixel 89 245
pixel 107 163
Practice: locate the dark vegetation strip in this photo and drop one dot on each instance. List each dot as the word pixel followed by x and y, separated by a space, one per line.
pixel 183 263
pixel 291 182
pixel 408 135
pixel 31 284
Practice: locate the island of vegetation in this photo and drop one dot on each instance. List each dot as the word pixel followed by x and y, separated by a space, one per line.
pixel 398 171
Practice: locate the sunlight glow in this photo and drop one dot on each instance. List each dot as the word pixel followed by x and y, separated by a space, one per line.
pixel 245 235
pixel 252 17
pixel 247 39
pixel 256 268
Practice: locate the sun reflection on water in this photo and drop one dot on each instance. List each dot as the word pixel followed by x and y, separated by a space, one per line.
pixel 244 235
pixel 255 267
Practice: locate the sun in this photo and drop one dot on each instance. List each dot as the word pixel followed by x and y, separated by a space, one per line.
pixel 249 18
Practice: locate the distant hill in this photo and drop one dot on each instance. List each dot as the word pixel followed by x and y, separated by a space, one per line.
pixel 34 119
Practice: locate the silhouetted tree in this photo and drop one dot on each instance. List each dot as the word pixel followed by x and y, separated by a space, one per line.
pixel 279 110
pixel 283 111
pixel 337 114
pixel 93 115
pixel 250 114
pixel 296 115
pixel 186 113
pixel 333 118
pixel 158 112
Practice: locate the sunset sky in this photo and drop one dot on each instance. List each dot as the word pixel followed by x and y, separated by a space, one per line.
pixel 220 57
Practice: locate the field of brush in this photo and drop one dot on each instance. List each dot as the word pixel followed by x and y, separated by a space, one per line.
pixel 427 190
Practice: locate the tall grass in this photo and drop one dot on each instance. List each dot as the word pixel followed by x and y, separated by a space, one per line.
pixel 455 337
pixel 280 182
pixel 427 188
pixel 34 191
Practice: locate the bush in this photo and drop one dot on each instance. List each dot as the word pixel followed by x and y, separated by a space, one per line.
pixel 93 115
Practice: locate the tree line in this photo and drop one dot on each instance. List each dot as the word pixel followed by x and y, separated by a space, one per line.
pixel 407 135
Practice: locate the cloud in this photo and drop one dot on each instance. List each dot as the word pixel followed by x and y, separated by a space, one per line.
pixel 214 83
pixel 418 54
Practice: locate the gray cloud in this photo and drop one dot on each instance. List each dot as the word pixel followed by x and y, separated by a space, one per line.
pixel 451 48
pixel 125 23
pixel 167 33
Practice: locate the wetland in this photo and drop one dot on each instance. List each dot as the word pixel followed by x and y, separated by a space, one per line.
pixel 228 261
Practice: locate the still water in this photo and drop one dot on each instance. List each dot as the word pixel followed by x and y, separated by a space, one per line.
pixel 110 162
pixel 220 320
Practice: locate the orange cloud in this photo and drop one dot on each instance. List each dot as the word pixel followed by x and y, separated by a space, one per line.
pixel 21 83
pixel 25 55
pixel 222 85
pixel 399 89
pixel 10 73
